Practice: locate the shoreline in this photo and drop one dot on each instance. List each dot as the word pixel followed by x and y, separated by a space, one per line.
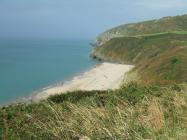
pixel 104 76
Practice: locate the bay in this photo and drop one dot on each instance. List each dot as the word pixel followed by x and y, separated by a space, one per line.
pixel 28 65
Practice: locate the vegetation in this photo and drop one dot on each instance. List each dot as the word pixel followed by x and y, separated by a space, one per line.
pixel 154 107
pixel 133 112
pixel 166 24
pixel 159 58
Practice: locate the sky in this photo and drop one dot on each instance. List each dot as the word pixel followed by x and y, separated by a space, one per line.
pixel 78 18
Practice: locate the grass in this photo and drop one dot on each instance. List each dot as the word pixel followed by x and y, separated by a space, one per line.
pixel 133 112
pixel 159 58
pixel 157 48
pixel 166 24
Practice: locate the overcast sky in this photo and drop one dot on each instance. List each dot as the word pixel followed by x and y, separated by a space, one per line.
pixel 78 18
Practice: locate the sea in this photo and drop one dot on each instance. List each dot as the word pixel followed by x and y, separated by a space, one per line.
pixel 29 65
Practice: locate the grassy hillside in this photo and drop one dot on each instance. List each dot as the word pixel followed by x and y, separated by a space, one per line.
pixel 166 24
pixel 159 58
pixel 158 49
pixel 133 112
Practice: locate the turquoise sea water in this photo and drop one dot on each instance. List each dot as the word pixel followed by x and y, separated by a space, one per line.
pixel 27 65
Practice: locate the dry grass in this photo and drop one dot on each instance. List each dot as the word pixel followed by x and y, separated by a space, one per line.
pixel 132 113
pixel 154 117
pixel 122 121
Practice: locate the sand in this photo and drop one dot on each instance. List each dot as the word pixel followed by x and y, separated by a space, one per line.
pixel 105 76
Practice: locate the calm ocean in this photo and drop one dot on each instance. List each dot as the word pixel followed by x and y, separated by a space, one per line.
pixel 30 65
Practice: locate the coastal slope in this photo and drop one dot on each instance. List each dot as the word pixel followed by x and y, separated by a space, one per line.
pixel 157 48
pixel 156 26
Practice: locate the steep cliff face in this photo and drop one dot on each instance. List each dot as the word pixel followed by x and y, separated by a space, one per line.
pixel 166 24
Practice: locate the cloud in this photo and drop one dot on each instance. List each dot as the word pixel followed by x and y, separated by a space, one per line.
pixel 161 4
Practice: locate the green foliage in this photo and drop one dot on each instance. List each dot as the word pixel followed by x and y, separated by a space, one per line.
pixel 133 93
pixel 73 97
pixel 175 60
pixel 132 112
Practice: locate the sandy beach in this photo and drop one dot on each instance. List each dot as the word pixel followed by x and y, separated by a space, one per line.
pixel 102 77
